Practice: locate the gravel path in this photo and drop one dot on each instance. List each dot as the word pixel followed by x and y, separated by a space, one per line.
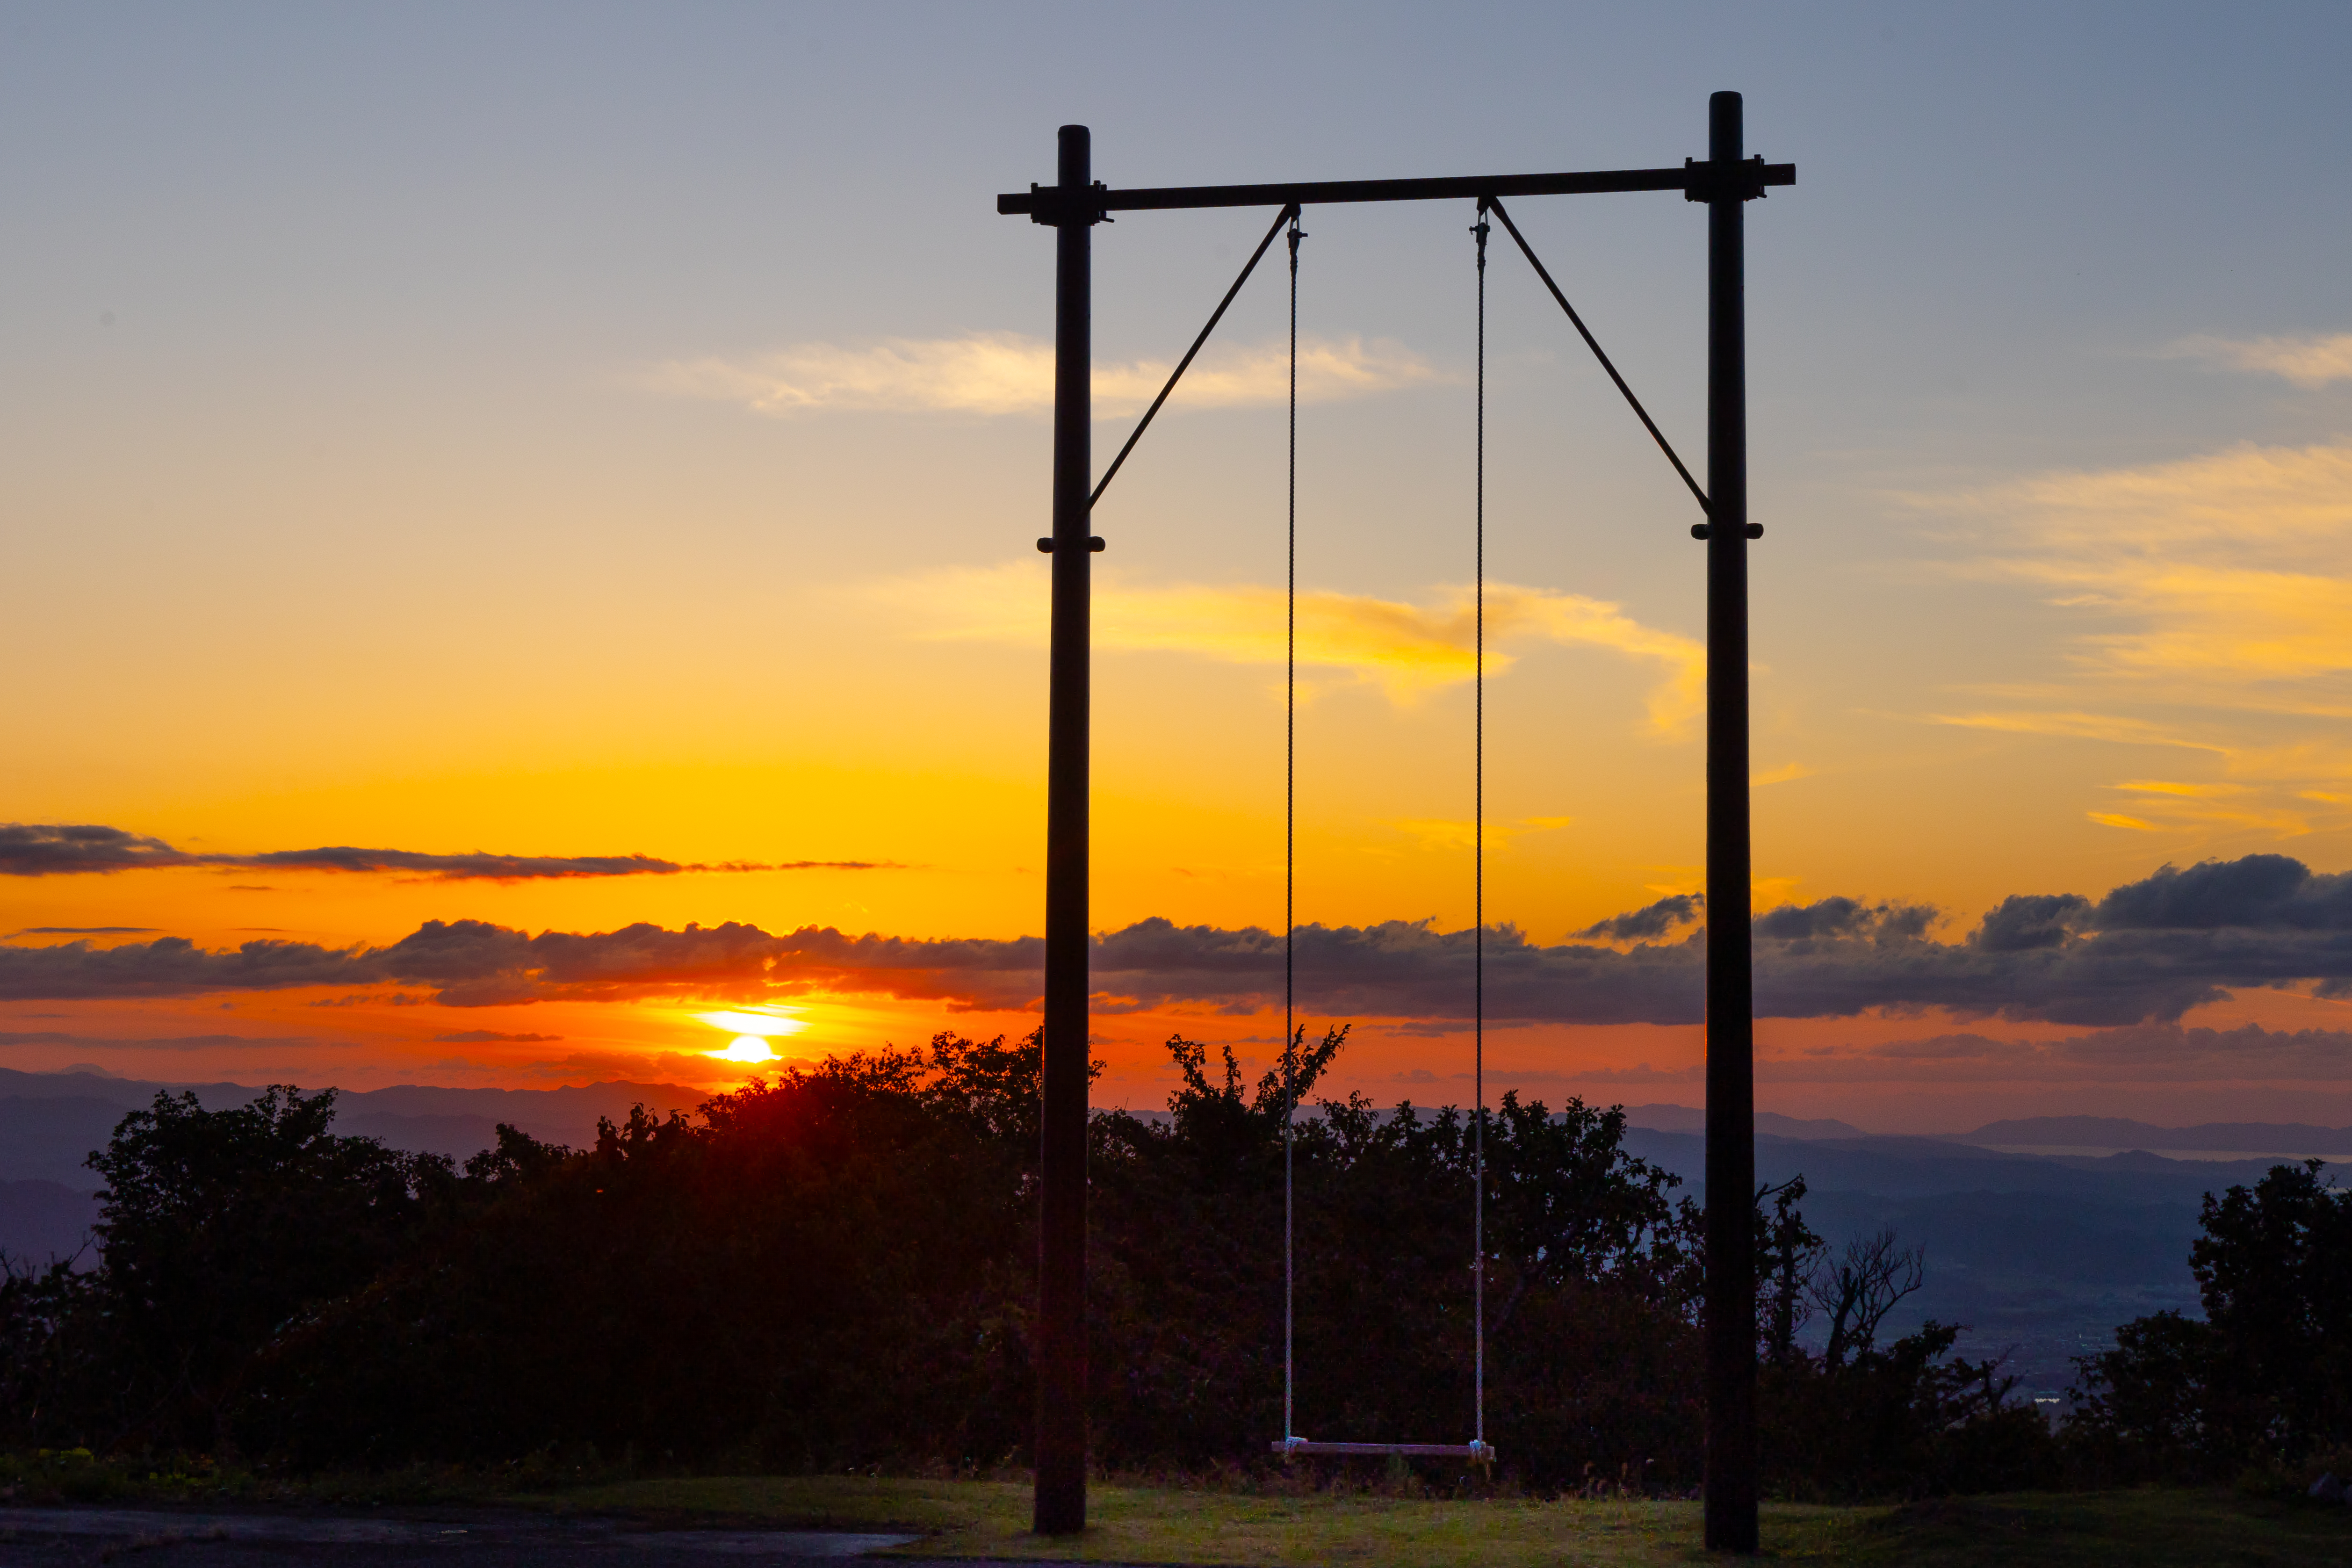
pixel 77 1537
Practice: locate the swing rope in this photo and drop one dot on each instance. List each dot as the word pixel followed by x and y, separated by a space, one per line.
pixel 1478 1450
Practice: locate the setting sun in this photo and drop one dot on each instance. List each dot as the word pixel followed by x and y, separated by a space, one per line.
pixel 745 1048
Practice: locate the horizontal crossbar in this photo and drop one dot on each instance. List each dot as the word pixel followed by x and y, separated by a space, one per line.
pixel 1694 176
pixel 1483 1452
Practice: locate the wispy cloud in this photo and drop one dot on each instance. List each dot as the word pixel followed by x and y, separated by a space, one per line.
pixel 2308 361
pixel 2210 602
pixel 1006 372
pixel 2203 805
pixel 490 1037
pixel 172 1042
pixel 2122 729
pixel 85 931
pixel 2205 622
pixel 51 850
pixel 2246 496
pixel 2185 790
pixel 1408 651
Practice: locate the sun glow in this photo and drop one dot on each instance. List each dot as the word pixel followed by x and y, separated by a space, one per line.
pixel 752 1029
pixel 764 1024
pixel 745 1048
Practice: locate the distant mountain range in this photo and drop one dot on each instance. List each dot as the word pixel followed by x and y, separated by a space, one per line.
pixel 1683 1118
pixel 2279 1139
pixel 2115 1133
pixel 50 1122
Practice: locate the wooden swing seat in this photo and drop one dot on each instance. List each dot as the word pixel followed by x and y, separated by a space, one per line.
pixel 1476 1453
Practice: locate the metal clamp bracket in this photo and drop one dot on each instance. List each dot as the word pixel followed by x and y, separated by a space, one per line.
pixel 1046 204
pixel 1747 179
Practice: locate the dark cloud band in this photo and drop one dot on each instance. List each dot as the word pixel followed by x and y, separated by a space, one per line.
pixel 50 849
pixel 2147 950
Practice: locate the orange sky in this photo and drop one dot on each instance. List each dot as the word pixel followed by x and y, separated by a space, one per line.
pixel 683 508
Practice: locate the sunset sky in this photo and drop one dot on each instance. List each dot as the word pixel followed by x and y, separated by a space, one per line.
pixel 452 449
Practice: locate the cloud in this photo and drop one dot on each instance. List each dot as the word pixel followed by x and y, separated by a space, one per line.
pixel 2310 363
pixel 172 966
pixel 2245 494
pixel 84 930
pixel 2029 922
pixel 1006 372
pixel 47 849
pixel 2221 568
pixel 472 964
pixel 34 849
pixel 174 1041
pixel 1408 651
pixel 1649 923
pixel 2207 607
pixel 2262 892
pixel 2146 950
pixel 2120 729
pixel 491 1037
pixel 517 867
pixel 2208 803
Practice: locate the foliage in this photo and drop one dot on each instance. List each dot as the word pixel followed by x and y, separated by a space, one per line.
pixel 810 1272
pixel 837 1267
pixel 1863 1419
pixel 2266 1378
pixel 216 1227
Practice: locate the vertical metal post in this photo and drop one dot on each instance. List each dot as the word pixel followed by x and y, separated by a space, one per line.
pixel 1061 1445
pixel 1730 978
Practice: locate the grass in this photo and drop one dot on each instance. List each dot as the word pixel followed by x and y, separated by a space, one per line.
pixel 1266 1528
pixel 1171 1525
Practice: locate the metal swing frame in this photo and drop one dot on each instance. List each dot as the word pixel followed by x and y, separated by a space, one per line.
pixel 1725 181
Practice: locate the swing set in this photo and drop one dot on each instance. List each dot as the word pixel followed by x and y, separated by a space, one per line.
pixel 1724 181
